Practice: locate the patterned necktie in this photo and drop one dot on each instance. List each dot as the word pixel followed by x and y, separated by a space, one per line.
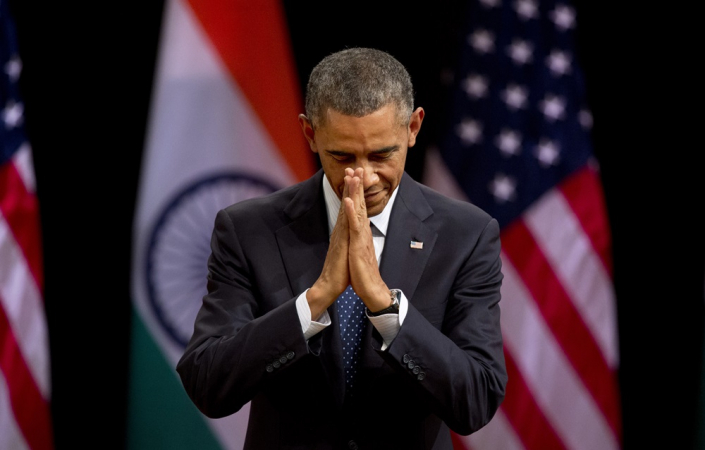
pixel 351 312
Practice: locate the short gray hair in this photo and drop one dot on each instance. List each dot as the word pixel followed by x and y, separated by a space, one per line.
pixel 357 82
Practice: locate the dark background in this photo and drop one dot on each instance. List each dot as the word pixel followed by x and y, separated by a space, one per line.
pixel 86 83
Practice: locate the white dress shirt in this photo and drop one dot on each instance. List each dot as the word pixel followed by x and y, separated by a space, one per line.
pixel 388 325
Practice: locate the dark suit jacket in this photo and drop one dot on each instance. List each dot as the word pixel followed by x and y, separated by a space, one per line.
pixel 444 369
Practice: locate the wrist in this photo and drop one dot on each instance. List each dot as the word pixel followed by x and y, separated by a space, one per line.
pixel 318 300
pixel 392 308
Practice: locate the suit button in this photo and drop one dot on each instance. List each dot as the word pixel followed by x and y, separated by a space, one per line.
pixel 406 358
pixel 283 359
pixel 421 376
pixel 276 364
pixel 352 445
pixel 411 364
pixel 290 355
pixel 416 370
pixel 270 369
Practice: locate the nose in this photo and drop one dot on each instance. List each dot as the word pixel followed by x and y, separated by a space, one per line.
pixel 371 177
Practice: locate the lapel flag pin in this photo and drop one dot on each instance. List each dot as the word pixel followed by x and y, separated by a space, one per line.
pixel 416 244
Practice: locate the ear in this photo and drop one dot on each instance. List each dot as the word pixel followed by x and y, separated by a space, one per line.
pixel 308 131
pixel 415 125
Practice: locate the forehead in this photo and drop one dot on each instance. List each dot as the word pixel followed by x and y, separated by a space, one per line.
pixel 388 113
pixel 382 123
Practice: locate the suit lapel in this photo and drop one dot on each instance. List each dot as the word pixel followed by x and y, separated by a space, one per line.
pixel 303 244
pixel 401 266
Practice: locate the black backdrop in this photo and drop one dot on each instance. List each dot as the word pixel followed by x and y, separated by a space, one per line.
pixel 87 77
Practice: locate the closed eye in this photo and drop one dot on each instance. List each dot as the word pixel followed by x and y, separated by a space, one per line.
pixel 340 156
pixel 384 153
pixel 381 156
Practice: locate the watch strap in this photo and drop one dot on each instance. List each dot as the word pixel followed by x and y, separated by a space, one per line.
pixel 395 295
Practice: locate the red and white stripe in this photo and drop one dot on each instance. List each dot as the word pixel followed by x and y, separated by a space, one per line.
pixel 25 389
pixel 559 325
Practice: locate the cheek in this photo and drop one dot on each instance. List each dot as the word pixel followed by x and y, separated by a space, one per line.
pixel 391 173
pixel 336 180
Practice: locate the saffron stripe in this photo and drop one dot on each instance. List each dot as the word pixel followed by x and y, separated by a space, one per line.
pixel 264 71
pixel 30 409
pixel 21 212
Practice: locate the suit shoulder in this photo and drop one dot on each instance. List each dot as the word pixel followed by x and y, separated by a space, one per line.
pixel 253 215
pixel 452 207
pixel 263 204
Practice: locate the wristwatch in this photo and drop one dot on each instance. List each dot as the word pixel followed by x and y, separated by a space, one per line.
pixel 395 295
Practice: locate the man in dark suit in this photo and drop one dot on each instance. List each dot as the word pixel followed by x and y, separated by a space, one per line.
pixel 278 326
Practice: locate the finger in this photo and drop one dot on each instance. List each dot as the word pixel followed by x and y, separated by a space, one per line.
pixel 346 182
pixel 346 189
pixel 360 173
pixel 351 214
pixel 352 184
pixel 349 174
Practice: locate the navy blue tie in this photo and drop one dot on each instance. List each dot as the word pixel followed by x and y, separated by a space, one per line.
pixel 351 312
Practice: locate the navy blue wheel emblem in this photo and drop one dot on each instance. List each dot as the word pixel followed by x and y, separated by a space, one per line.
pixel 179 246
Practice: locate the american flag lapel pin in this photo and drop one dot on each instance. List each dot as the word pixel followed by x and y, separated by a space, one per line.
pixel 416 244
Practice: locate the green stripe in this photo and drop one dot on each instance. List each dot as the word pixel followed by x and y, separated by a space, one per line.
pixel 160 414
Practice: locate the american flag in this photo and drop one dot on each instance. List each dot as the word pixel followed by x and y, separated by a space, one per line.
pixel 519 147
pixel 25 420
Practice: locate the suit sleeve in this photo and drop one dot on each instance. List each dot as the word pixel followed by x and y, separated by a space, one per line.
pixel 459 369
pixel 236 346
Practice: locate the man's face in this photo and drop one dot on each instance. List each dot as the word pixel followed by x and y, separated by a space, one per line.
pixel 376 142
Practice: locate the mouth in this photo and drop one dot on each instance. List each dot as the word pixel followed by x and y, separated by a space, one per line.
pixel 372 196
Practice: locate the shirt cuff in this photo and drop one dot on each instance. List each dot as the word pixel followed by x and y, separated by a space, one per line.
pixel 310 327
pixel 389 325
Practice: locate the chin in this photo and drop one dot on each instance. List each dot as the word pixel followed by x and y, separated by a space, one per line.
pixel 376 209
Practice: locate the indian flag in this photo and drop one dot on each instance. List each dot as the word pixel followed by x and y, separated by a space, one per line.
pixel 222 128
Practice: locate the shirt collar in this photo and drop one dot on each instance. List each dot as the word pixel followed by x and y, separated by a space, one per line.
pixel 381 220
